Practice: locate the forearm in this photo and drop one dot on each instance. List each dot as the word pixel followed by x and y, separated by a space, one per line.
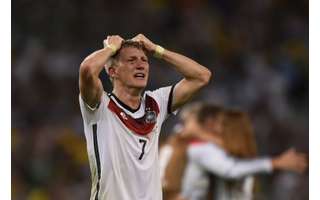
pixel 190 69
pixel 94 63
pixel 90 85
pixel 195 75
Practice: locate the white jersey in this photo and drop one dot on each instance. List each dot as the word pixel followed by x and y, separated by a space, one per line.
pixel 204 158
pixel 241 190
pixel 122 146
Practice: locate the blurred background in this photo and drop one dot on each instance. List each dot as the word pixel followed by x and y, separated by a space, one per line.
pixel 257 50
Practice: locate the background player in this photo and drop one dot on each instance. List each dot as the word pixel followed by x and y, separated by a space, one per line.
pixel 226 159
pixel 230 160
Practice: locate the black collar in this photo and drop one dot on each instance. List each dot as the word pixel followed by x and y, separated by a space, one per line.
pixel 125 105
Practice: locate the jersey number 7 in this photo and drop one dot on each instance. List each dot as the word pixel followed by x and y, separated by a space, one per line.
pixel 144 142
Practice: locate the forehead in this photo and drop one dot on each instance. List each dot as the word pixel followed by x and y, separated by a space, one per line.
pixel 131 51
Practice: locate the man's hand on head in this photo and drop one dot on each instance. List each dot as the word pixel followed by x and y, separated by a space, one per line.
pixel 150 46
pixel 113 42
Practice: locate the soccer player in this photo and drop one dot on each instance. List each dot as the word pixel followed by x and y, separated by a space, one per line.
pixel 234 160
pixel 122 127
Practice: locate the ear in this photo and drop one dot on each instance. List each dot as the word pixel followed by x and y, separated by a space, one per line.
pixel 112 71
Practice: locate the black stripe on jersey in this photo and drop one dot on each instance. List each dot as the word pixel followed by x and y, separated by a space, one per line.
pixel 96 152
pixel 125 105
pixel 169 107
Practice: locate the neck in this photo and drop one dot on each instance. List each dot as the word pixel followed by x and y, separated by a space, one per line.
pixel 130 96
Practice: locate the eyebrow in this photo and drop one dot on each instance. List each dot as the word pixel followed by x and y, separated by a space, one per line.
pixel 143 57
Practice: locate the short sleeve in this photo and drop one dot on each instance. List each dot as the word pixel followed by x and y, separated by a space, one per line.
pixel 164 97
pixel 93 115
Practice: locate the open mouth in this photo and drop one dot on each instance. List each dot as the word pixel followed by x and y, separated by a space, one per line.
pixel 139 75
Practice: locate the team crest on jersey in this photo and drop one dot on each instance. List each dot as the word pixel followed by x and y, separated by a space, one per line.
pixel 151 116
pixel 143 125
pixel 123 116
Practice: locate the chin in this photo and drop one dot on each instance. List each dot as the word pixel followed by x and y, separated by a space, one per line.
pixel 141 84
pixel 138 86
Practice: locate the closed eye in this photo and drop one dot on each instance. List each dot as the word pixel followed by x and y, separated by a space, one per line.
pixel 132 59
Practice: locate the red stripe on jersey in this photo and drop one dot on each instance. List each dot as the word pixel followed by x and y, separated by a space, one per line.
pixel 143 125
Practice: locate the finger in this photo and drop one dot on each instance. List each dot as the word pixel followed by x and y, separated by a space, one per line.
pixel 300 171
pixel 135 38
pixel 299 168
pixel 299 160
pixel 302 168
pixel 302 158
pixel 105 42
pixel 138 39
pixel 119 37
pixel 304 162
pixel 140 36
pixel 302 155
pixel 109 39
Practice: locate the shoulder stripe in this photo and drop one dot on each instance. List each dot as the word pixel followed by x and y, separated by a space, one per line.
pixel 169 107
pixel 96 152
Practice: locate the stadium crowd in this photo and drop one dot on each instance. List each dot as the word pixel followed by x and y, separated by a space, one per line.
pixel 257 51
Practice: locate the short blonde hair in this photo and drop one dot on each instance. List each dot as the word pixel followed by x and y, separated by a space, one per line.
pixel 125 44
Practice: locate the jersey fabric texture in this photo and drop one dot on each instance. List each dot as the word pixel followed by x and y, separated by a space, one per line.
pixel 122 145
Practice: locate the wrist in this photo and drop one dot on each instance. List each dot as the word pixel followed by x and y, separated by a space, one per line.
pixel 275 163
pixel 111 47
pixel 158 51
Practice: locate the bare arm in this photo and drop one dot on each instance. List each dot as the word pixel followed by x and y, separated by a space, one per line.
pixel 195 75
pixel 290 160
pixel 89 83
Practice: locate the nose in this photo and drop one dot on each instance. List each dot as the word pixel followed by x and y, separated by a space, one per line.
pixel 140 67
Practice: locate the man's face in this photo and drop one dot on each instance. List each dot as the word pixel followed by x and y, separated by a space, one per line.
pixel 132 68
